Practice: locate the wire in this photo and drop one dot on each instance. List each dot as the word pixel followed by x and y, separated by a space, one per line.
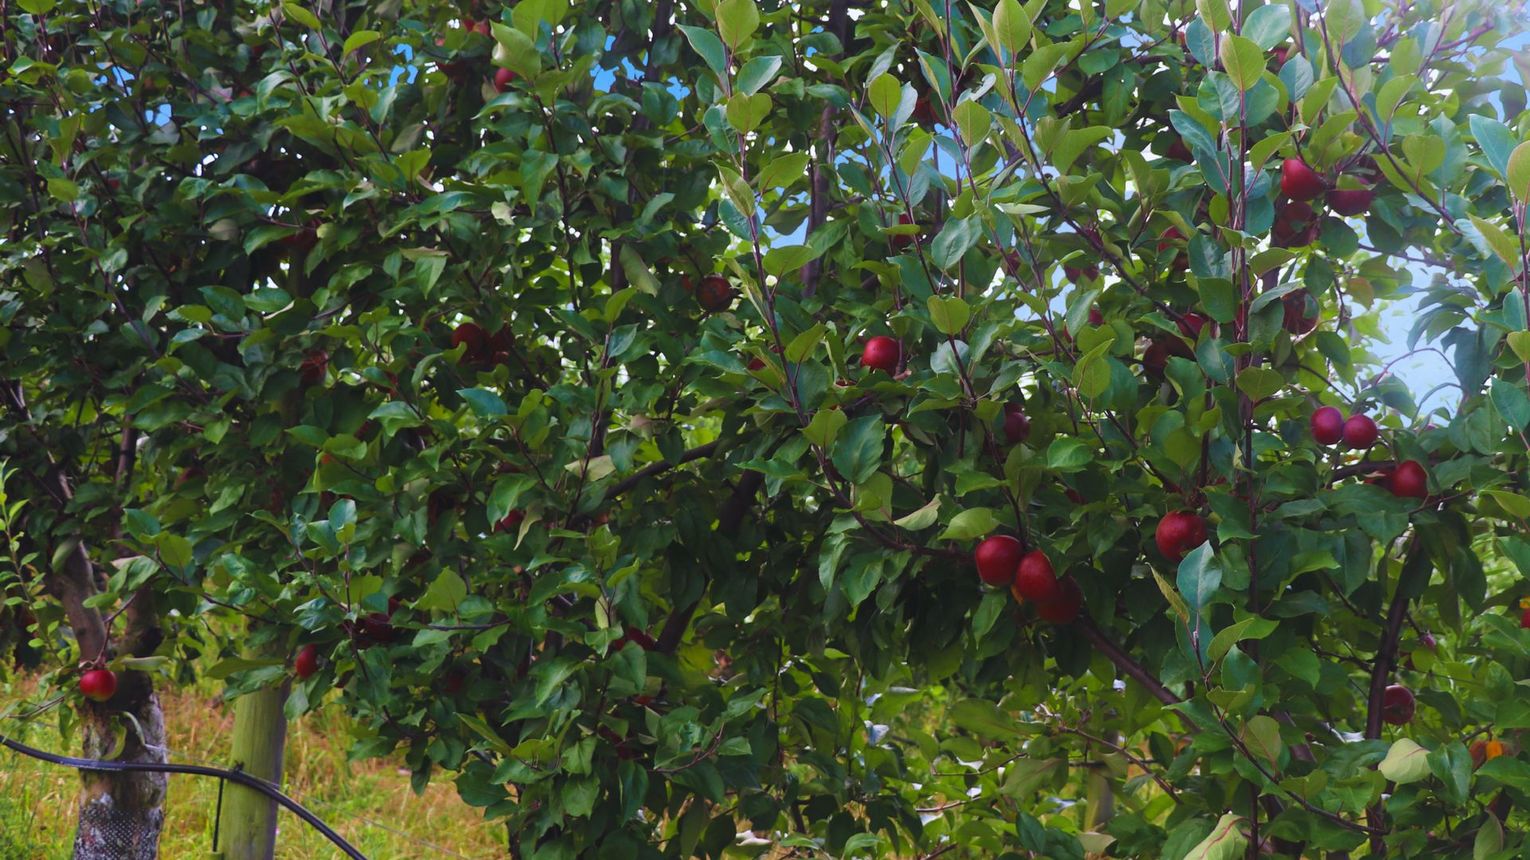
pixel 240 777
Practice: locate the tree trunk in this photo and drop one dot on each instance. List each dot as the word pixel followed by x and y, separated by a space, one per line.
pixel 121 814
pixel 247 821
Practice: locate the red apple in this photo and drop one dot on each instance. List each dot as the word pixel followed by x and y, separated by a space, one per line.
pixel 1017 427
pixel 1327 425
pixel 1179 151
pixel 1409 480
pixel 1299 313
pixel 503 78
pixel 1035 580
pixel 510 522
pixel 881 353
pixel 1279 53
pixel 1178 533
pixel 307 662
pixel 1398 705
pixel 1191 323
pixel 1360 432
pixel 454 680
pixel 1074 274
pixel 924 112
pixel 311 371
pixel 903 240
pixel 997 558
pixel 1095 317
pixel 1350 201
pixel 1298 181
pixel 475 338
pixel 1524 618
pixel 1295 224
pixel 715 293
pixel 98 685
pixel 1156 358
pixel 1066 607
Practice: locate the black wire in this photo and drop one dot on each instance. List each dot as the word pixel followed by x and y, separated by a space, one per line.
pixel 240 777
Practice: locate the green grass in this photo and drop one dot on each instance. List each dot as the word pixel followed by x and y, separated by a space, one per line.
pixel 369 803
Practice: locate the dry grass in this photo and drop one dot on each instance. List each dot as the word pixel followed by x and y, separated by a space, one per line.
pixel 370 803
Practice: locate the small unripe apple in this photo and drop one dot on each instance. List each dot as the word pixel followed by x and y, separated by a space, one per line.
pixel 1350 201
pixel 881 353
pixel 1066 607
pixel 1178 533
pixel 1360 432
pixel 1017 427
pixel 1409 480
pixel 503 78
pixel 715 294
pixel 1034 578
pixel 1327 425
pixel 307 662
pixel 1298 181
pixel 997 558
pixel 1191 323
pixel 1398 705
pixel 98 685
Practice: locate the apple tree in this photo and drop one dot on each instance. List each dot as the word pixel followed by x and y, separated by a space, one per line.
pixel 830 428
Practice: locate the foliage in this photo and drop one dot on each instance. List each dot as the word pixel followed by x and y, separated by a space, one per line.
pixel 640 573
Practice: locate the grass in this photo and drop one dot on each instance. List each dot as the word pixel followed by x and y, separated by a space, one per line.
pixel 369 803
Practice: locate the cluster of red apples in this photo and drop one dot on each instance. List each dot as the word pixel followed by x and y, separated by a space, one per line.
pixel 458 70
pixel 1003 562
pixel 1407 479
pixel 1296 222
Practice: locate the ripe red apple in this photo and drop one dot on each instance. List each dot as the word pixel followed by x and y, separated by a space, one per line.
pixel 1409 480
pixel 1279 53
pixel 503 78
pixel 715 293
pixel 1191 323
pixel 476 339
pixel 1035 579
pixel 997 558
pixel 1295 224
pixel 924 112
pixel 1327 425
pixel 1360 432
pixel 302 241
pixel 755 363
pixel 1178 533
pixel 1075 274
pixel 1299 313
pixel 307 662
pixel 1156 358
pixel 1066 607
pixel 631 633
pixel 1298 181
pixel 510 521
pixel 902 240
pixel 1398 705
pixel 1095 317
pixel 1350 201
pixel 311 371
pixel 98 685
pixel 1179 151
pixel 1524 618
pixel 881 353
pixel 1017 427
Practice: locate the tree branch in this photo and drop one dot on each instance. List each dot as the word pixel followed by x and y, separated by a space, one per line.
pixel 1132 669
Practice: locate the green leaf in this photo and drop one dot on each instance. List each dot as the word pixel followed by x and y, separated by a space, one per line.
pixel 1519 341
pixel 784 170
pixel 973 121
pixel 706 44
pixel 803 344
pixel 746 112
pixel 1199 577
pixel 1406 762
pixel 359 39
pixel 736 21
pixel 1518 172
pixel 756 73
pixel 779 261
pixel 446 591
pixel 1496 140
pixel 1069 454
pixel 1260 382
pixel 824 427
pixel 949 313
pixel 1511 402
pixel 955 239
pixel 886 94
pixel 984 719
pixel 1074 144
pixel 1268 26
pixel 1011 25
pixel 1226 841
pixel 922 518
pixel 301 15
pixel 858 450
pixel 485 403
pixel 1243 60
pixel 1262 735
pixel 971 523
